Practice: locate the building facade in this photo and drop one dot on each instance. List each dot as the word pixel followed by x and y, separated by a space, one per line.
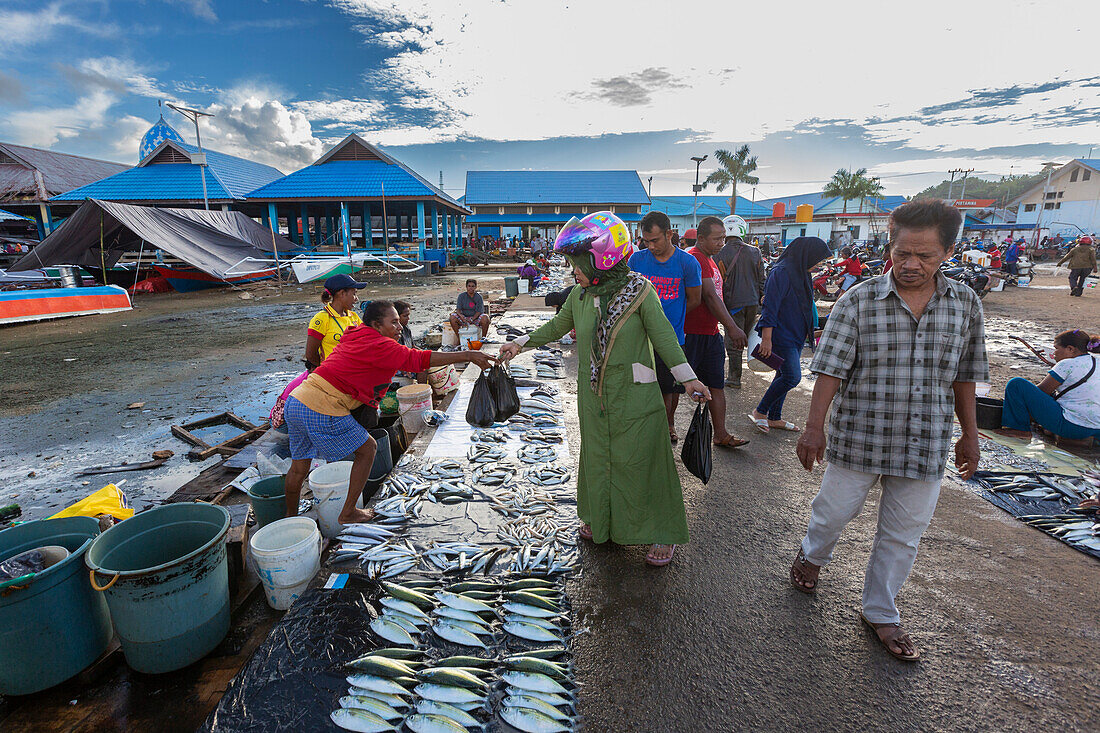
pixel 1067 204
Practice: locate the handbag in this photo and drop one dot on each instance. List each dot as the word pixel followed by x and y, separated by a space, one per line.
pixel 774 360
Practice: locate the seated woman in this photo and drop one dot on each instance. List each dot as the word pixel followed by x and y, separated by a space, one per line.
pixel 470 309
pixel 405 338
pixel 1067 401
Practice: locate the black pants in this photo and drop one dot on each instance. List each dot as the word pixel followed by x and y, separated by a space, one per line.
pixel 1077 280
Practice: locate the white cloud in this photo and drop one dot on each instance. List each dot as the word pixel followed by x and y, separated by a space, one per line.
pixel 22 28
pixel 345 111
pixel 45 127
pixel 516 71
pixel 253 124
pixel 200 8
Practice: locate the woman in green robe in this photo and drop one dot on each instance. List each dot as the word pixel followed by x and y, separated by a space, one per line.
pixel 628 490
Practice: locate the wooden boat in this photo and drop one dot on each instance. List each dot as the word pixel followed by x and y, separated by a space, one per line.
pixel 308 270
pixel 186 279
pixel 21 306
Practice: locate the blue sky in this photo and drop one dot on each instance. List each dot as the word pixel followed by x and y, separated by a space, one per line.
pixel 455 85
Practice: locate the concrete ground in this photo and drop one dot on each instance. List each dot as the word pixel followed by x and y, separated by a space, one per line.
pixel 1005 616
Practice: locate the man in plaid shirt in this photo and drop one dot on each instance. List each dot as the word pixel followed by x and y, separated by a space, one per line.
pixel 898 352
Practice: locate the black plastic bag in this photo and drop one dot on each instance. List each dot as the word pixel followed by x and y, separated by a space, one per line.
pixel 482 410
pixel 503 388
pixel 697 444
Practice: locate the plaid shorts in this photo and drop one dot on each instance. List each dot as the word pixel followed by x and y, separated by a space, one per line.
pixel 313 435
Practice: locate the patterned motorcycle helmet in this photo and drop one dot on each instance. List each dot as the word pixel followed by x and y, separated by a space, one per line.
pixel 735 226
pixel 602 234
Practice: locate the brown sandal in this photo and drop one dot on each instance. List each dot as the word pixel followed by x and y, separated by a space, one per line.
pixel 731 441
pixel 800 560
pixel 896 634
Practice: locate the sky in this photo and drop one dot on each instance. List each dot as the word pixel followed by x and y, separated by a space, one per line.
pixel 907 91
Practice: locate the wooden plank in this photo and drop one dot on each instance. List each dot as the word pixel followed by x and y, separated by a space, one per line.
pixel 219 419
pixel 231 446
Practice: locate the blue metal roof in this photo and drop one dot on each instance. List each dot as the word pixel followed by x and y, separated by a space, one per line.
pixel 350 179
pixel 817 200
pixel 1093 163
pixel 708 206
pixel 554 187
pixel 535 218
pixel 227 177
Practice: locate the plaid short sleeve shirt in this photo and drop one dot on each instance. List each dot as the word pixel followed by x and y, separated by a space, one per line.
pixel 893 412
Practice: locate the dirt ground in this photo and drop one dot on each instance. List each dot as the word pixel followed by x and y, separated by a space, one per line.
pixel 67 383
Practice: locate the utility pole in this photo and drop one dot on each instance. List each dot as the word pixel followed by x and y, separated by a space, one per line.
pixel 651 187
pixel 696 189
pixel 965 173
pixel 951 186
pixel 200 158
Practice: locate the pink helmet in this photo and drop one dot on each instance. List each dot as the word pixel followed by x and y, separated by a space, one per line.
pixel 602 234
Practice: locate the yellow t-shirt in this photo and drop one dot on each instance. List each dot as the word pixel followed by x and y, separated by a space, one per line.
pixel 329 327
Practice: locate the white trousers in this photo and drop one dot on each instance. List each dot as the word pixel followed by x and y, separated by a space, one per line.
pixel 904 512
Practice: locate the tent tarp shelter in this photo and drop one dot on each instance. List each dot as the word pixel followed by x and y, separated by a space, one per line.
pixel 220 243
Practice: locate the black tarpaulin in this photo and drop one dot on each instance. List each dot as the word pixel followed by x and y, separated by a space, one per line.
pixel 221 243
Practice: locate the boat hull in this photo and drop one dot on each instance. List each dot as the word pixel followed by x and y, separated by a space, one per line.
pixel 24 306
pixel 189 279
pixel 307 271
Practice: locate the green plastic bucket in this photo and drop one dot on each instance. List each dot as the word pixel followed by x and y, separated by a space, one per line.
pixel 54 625
pixel 511 286
pixel 268 499
pixel 166 579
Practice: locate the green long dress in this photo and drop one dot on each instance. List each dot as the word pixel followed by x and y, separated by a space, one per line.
pixel 628 490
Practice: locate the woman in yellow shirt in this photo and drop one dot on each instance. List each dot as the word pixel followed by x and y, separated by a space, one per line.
pixel 328 326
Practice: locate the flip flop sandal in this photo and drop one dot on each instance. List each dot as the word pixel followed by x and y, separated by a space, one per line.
pixel 585 534
pixel 801 560
pixel 650 560
pixel 786 426
pixel 761 424
pixel 896 635
pixel 731 442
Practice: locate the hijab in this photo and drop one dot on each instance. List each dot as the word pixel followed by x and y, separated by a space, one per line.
pixel 615 293
pixel 795 262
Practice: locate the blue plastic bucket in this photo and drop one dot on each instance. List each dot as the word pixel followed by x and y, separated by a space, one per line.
pixel 165 575
pixel 54 625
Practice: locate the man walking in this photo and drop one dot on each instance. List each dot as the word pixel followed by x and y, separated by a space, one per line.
pixel 897 352
pixel 703 346
pixel 676 276
pixel 1082 262
pixel 741 271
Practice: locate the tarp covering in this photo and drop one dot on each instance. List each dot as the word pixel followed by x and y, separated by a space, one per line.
pixel 99 232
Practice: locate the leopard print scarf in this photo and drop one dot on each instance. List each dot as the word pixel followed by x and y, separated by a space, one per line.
pixel 608 321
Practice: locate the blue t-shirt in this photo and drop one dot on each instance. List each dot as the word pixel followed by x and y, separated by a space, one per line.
pixel 671 279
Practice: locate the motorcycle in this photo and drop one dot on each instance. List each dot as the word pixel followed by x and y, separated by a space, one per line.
pixel 973 276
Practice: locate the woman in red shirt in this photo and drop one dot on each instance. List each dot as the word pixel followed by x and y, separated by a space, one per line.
pixel 852 269
pixel 356 374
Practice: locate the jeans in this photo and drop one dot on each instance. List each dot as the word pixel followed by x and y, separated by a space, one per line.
pixel 904 511
pixel 1025 402
pixel 1077 279
pixel 786 379
pixel 745 320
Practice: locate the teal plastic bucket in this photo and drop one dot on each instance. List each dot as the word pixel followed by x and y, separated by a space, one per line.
pixel 54 625
pixel 166 579
pixel 511 286
pixel 268 498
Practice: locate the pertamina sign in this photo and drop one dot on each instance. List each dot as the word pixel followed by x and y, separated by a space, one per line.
pixel 973 203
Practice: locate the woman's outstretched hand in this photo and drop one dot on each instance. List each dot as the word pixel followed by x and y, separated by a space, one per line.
pixel 508 351
pixel 482 360
pixel 697 390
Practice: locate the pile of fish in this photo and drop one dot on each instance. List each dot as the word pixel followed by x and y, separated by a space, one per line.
pixel 485 454
pixel 545 437
pixel 1076 528
pixel 489 435
pixel 499 474
pixel 400 685
pixel 1041 486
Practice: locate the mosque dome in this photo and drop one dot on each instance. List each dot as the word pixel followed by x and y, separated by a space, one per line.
pixel 157 134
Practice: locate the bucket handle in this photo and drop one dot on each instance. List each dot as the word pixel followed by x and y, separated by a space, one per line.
pixel 91 577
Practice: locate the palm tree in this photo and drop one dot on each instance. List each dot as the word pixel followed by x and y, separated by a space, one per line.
pixel 736 168
pixel 851 185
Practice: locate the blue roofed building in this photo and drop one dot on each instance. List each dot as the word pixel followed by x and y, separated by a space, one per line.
pixel 685 211
pixel 831 218
pixel 357 187
pixel 538 203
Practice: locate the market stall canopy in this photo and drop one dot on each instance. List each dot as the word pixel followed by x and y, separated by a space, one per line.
pixel 99 232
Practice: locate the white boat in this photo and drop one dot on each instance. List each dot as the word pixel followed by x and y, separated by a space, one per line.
pixel 311 268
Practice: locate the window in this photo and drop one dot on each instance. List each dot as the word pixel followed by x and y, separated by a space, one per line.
pixel 1060 194
pixel 1051 194
pixel 1087 175
pixel 1073 176
pixel 1029 207
pixel 1049 206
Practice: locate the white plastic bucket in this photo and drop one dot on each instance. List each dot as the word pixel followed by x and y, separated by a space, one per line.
pixel 414 399
pixel 524 285
pixel 443 379
pixel 466 334
pixel 450 338
pixel 288 555
pixel 329 484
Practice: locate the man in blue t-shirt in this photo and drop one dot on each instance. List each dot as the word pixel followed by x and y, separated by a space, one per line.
pixel 679 282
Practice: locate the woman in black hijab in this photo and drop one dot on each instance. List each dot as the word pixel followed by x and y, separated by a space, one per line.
pixel 787 322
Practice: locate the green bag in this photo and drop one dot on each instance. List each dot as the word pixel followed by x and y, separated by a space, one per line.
pixel 388 404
